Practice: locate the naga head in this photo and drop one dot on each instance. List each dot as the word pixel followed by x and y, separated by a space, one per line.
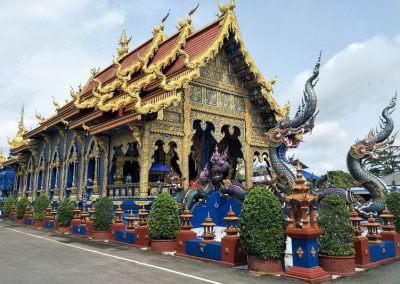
pixel 289 132
pixel 378 139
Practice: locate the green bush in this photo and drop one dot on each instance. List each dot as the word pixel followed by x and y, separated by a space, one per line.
pixel 393 204
pixel 164 218
pixel 65 213
pixel 22 205
pixel 103 216
pixel 262 225
pixel 10 201
pixel 333 218
pixel 39 209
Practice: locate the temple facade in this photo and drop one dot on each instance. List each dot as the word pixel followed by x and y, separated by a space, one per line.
pixel 153 118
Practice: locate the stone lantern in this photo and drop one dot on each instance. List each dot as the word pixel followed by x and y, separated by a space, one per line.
pixel 186 218
pixel 131 221
pixel 373 235
pixel 48 212
pixel 185 233
pixel 355 221
pixel 304 231
pixel 231 223
pixel 118 214
pixel 118 224
pixel 389 233
pixel 208 230
pixel 387 219
pixel 53 213
pixel 143 214
pixel 91 211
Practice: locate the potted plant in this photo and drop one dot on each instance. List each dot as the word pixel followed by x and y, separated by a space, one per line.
pixel 262 226
pixel 65 212
pixel 103 217
pixel 336 245
pixel 39 210
pixel 22 205
pixel 10 201
pixel 392 203
pixel 163 223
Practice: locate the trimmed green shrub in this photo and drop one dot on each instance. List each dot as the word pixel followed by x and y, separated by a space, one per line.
pixel 10 201
pixel 333 218
pixel 22 205
pixel 164 218
pixel 65 213
pixel 39 209
pixel 262 225
pixel 393 204
pixel 103 216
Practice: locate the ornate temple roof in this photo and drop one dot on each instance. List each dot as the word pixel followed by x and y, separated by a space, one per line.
pixel 151 76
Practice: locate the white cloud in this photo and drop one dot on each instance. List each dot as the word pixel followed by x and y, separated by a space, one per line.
pixel 355 85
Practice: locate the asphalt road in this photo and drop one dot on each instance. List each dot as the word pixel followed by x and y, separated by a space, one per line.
pixel 41 256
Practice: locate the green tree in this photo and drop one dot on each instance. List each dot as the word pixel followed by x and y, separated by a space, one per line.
pixel 337 179
pixel 10 201
pixel 388 162
pixel 262 225
pixel 103 216
pixel 22 204
pixel 39 209
pixel 333 218
pixel 164 218
pixel 65 213
pixel 393 204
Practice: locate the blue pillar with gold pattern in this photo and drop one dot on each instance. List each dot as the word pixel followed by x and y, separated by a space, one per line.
pixel 304 232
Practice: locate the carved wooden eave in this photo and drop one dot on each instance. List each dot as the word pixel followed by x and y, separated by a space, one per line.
pixel 158 66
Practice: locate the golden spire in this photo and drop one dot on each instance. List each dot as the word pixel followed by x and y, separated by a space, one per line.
pixel 18 140
pixel 123 42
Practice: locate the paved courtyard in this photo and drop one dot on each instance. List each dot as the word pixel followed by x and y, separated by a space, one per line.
pixel 41 256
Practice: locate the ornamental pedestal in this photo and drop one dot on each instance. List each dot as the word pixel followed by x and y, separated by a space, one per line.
pixel 117 225
pixel 185 233
pixel 232 252
pixel 304 232
pixel 142 232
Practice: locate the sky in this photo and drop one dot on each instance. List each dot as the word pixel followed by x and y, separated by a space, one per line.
pixel 48 46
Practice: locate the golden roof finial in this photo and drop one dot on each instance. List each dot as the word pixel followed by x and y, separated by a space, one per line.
pixel 123 42
pixel 40 117
pixel 56 104
pixel 188 21
pixel 224 8
pixel 160 27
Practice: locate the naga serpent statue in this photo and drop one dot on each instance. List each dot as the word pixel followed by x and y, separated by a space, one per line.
pixel 289 133
pixel 369 148
pixel 361 151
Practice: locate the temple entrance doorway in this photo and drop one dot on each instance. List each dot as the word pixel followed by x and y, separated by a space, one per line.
pixel 231 142
pixel 203 144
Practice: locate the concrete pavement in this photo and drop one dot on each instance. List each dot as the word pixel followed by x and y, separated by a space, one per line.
pixel 34 256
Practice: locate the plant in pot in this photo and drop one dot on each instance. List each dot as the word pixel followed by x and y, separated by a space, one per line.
pixel 103 217
pixel 65 212
pixel 163 223
pixel 22 205
pixel 262 226
pixel 336 245
pixel 392 202
pixel 10 201
pixel 39 210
